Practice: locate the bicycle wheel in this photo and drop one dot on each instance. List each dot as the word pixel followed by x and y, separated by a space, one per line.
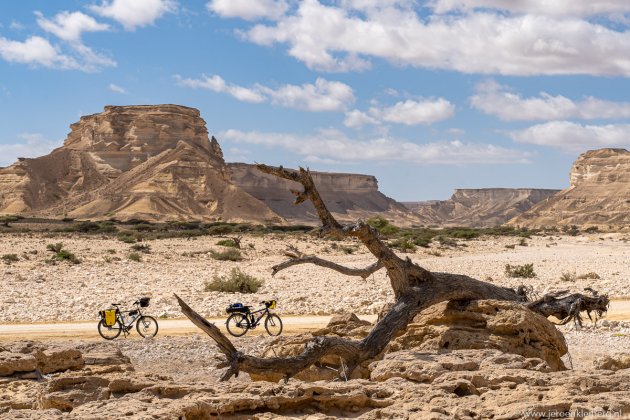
pixel 109 333
pixel 273 324
pixel 147 326
pixel 237 324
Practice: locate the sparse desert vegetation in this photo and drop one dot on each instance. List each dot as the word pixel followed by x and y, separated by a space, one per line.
pixel 235 282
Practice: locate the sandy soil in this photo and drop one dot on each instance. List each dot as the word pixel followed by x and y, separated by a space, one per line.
pixel 34 291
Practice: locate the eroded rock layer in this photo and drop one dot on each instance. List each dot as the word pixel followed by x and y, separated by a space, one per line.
pixel 156 162
pixel 483 207
pixel 348 196
pixel 599 194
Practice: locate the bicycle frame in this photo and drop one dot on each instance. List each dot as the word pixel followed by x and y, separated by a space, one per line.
pixel 119 317
pixel 265 311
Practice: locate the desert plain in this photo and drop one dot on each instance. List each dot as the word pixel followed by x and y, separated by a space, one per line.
pixel 176 374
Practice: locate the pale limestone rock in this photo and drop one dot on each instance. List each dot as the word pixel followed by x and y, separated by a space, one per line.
pixel 484 324
pixel 483 207
pixel 598 195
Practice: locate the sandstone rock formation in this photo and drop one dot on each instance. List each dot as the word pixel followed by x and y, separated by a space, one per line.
pixel 484 207
pixel 155 162
pixel 485 324
pixel 599 194
pixel 408 384
pixel 149 162
pixel 348 196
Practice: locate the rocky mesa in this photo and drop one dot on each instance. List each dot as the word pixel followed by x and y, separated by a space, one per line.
pixel 156 162
pixel 348 196
pixel 482 207
pixel 599 194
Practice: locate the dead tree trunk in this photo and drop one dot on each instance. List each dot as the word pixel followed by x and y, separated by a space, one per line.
pixel 415 289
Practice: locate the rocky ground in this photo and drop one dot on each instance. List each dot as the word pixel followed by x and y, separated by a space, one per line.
pixel 33 290
pixel 446 365
pixel 177 377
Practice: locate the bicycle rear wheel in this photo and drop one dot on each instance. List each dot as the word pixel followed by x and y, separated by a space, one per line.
pixel 109 333
pixel 273 325
pixel 147 326
pixel 237 324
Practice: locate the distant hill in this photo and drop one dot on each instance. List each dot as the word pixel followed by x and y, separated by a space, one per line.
pixel 484 207
pixel 156 162
pixel 599 194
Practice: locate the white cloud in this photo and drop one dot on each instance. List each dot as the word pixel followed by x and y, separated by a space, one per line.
pixel 69 26
pixel 248 9
pixel 412 112
pixel 29 145
pixel 132 14
pixel 329 37
pixel 216 83
pixel 500 101
pixel 16 26
pixel 117 89
pixel 409 112
pixel 573 137
pixel 332 145
pixel 36 51
pixel 356 119
pixel 581 8
pixel 324 95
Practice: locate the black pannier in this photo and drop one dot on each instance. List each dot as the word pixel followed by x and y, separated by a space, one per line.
pixel 236 307
pixel 144 302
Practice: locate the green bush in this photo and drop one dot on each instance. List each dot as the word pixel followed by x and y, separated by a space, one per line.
pixel 65 255
pixel 404 245
pixel 134 256
pixel 235 282
pixel 55 247
pixel 230 254
pixel 228 243
pixel 146 249
pixel 10 258
pixel 520 271
pixel 382 225
pixel 462 233
pixel 568 276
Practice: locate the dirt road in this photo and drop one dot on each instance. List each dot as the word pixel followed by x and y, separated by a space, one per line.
pixel 619 310
pixel 167 327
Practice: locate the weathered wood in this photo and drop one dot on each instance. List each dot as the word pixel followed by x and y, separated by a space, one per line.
pixel 415 289
pixel 311 259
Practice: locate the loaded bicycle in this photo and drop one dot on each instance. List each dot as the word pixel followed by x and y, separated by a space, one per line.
pixel 114 321
pixel 242 318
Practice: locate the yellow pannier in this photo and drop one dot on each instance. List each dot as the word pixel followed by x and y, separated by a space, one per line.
pixel 110 317
pixel 271 304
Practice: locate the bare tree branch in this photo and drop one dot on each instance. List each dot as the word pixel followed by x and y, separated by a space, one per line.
pixel 311 259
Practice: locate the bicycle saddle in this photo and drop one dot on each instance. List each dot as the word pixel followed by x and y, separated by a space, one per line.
pixel 115 304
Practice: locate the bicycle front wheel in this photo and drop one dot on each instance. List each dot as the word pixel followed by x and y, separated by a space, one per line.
pixel 147 326
pixel 109 333
pixel 237 324
pixel 273 325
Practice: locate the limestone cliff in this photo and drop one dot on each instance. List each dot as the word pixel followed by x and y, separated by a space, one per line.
pixel 599 194
pixel 484 207
pixel 348 196
pixel 151 162
pixel 155 162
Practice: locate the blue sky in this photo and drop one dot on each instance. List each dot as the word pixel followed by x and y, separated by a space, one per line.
pixel 426 95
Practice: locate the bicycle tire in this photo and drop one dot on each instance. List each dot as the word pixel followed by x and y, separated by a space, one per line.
pixel 106 332
pixel 273 325
pixel 146 322
pixel 240 324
